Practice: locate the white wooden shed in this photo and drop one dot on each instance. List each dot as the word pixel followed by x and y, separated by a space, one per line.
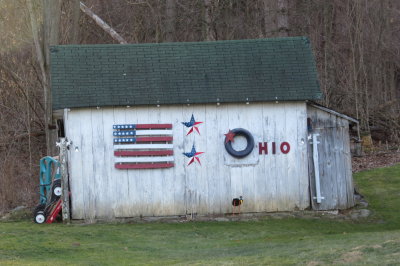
pixel 183 128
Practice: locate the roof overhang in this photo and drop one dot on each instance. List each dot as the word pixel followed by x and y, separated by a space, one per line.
pixel 326 109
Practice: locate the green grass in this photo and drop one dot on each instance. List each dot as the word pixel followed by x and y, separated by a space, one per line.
pixel 372 241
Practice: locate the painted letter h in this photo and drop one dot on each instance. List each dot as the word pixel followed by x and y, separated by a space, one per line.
pixel 262 147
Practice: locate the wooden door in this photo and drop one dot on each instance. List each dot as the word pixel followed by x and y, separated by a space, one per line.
pixel 333 162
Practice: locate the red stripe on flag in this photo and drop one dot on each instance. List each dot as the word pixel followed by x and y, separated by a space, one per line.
pixel 149 139
pixel 143 126
pixel 143 153
pixel 144 166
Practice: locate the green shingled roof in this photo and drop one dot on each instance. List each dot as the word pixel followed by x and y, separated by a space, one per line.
pixel 174 73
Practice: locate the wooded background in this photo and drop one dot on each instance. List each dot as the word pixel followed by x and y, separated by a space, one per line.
pixel 356 44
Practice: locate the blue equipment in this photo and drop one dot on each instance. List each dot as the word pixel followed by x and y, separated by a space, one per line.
pixel 50 189
pixel 49 167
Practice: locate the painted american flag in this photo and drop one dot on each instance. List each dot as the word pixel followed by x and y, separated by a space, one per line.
pixel 143 146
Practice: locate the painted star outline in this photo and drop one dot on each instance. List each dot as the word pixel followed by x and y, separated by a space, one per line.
pixel 193 155
pixel 192 125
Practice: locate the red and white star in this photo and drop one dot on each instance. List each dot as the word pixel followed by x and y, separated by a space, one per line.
pixel 192 124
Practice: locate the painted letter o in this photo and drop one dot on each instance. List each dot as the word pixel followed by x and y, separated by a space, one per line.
pixel 285 147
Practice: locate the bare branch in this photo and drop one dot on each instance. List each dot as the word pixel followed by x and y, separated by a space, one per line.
pixel 17 80
pixel 102 24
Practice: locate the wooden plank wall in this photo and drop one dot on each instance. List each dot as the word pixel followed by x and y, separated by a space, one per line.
pixel 334 161
pixel 267 182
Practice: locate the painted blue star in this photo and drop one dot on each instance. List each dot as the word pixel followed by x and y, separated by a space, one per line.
pixel 192 124
pixel 193 155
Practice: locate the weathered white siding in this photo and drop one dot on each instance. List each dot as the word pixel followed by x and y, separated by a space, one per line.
pixel 336 180
pixel 267 182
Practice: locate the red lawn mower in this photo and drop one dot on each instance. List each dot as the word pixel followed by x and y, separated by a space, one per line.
pixel 50 202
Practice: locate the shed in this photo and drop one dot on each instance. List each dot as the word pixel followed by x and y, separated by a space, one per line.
pixel 183 128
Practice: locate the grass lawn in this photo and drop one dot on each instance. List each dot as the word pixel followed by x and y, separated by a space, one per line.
pixel 372 241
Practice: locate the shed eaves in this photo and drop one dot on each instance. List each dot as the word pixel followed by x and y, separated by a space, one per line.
pixel 188 72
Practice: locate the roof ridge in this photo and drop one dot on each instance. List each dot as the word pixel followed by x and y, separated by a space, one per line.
pixel 276 39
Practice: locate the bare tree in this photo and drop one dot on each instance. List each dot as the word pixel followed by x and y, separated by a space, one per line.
pixel 282 20
pixel 43 57
pixel 270 18
pixel 208 22
pixel 170 11
pixel 75 21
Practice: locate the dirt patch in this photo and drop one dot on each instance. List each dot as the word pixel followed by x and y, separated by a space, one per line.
pixel 359 247
pixel 390 241
pixel 17 214
pixel 350 257
pixel 375 160
pixel 314 263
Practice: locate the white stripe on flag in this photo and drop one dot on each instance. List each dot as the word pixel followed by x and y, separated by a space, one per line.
pixel 154 132
pixel 144 159
pixel 142 146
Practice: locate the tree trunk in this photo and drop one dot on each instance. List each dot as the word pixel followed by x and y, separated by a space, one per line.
pixel 75 21
pixel 44 64
pixel 270 18
pixel 282 20
pixel 36 40
pixel 51 30
pixel 170 20
pixel 209 31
